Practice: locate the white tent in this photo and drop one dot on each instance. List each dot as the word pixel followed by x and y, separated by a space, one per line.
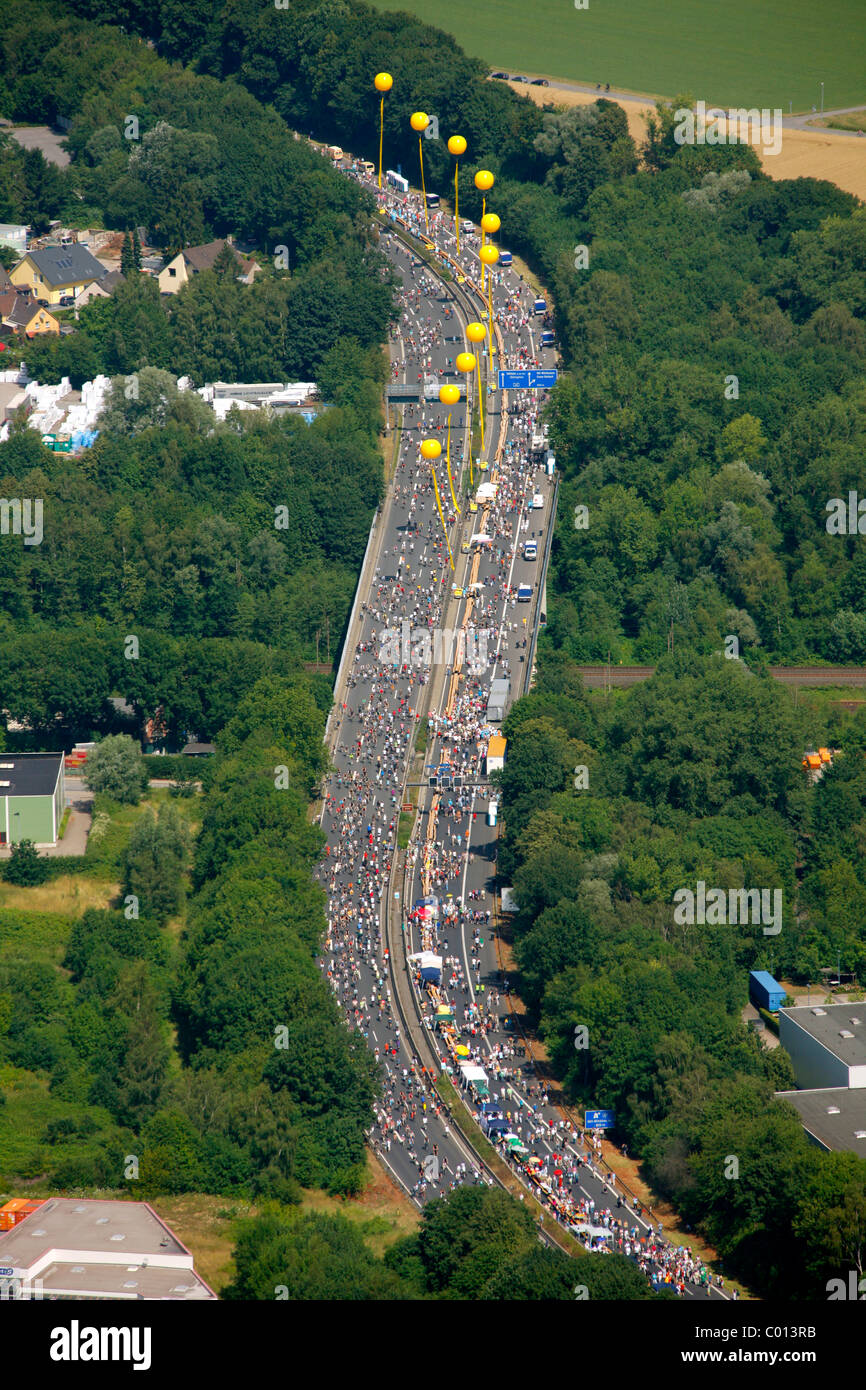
pixel 472 1072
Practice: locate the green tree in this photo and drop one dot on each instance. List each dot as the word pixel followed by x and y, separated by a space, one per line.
pixel 115 768
pixel 25 865
pixel 155 861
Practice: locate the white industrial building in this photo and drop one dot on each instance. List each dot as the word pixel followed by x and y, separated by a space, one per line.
pixel 75 1249
pixel 826 1044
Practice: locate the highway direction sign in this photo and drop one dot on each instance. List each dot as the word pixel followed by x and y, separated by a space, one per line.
pixel 525 381
pixel 599 1119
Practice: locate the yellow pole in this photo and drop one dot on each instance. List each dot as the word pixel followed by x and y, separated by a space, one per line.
pixel 441 517
pixel 490 319
pixel 457 203
pixel 480 405
pixel 469 427
pixel 423 189
pixel 381 132
pixel 483 210
pixel 448 462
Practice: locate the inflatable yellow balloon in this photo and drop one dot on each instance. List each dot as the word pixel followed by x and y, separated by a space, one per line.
pixel 449 395
pixel 431 449
pixel 419 120
pixel 491 223
pixel 383 82
pixel 465 362
pixel 476 332
pixel 489 254
pixel 484 180
pixel 456 145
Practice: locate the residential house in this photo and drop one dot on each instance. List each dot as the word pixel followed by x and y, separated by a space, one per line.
pixel 193 259
pixel 57 272
pixel 20 313
pixel 100 289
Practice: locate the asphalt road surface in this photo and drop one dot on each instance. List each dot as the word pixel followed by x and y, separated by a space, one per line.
pixel 398 676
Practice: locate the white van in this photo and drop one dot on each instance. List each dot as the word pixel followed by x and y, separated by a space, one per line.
pixel 537 501
pixel 466 225
pixel 492 812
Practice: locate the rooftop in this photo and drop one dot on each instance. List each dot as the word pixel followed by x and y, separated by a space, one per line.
pixel 65 1223
pixel 61 265
pixel 841 1028
pixel 29 774
pixel 121 1281
pixel 835 1117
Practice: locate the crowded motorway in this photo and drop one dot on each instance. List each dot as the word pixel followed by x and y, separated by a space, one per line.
pixel 439 645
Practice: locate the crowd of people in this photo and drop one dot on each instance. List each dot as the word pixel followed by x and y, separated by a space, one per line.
pixel 376 735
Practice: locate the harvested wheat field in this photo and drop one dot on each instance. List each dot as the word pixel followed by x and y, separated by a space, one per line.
pixel 816 154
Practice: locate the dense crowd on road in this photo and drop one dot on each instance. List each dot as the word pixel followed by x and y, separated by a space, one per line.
pixel 376 735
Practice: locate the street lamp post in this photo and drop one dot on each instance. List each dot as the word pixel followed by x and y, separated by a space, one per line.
pixel 822 98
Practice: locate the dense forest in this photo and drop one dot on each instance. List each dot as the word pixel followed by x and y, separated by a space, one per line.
pixel 694 775
pixel 224 550
pixel 240 1106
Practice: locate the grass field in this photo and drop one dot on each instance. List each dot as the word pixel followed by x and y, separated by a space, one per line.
pixel 771 54
pixel 207 1225
pixel 855 120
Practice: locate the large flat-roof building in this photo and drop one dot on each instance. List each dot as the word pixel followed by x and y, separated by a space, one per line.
pixel 834 1119
pixel 826 1044
pixel 32 798
pixel 77 1249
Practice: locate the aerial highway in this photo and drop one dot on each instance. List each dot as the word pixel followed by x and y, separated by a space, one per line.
pixel 411 716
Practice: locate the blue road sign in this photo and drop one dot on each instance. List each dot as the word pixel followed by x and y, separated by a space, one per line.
pixel 599 1119
pixel 526 381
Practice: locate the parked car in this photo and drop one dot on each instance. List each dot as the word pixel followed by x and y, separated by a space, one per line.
pixel 539 82
pixel 500 74
pixel 520 79
pixel 66 300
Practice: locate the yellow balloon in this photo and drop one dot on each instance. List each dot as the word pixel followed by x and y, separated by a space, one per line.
pixel 489 254
pixel 456 145
pixel 449 395
pixel 431 449
pixel 419 120
pixel 383 81
pixel 491 223
pixel 465 362
pixel 483 180
pixel 476 332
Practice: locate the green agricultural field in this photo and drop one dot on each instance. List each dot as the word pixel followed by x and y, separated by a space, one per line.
pixel 771 54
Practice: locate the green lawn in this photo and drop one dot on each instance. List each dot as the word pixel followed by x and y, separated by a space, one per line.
pixel 769 54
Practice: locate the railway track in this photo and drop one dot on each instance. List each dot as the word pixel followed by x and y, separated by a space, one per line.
pixel 602 676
